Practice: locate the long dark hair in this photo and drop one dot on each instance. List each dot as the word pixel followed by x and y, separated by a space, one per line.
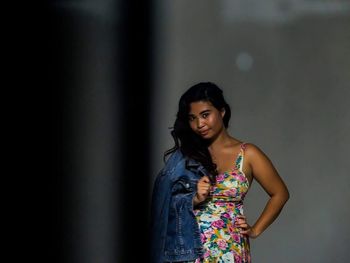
pixel 191 144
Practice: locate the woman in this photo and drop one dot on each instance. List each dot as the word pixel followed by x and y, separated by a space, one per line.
pixel 200 133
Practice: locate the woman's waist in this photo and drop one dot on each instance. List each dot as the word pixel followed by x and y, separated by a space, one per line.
pixel 221 204
pixel 225 198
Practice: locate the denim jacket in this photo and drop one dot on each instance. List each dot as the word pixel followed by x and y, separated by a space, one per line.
pixel 174 230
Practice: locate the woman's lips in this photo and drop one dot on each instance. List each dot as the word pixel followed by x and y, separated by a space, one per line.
pixel 204 132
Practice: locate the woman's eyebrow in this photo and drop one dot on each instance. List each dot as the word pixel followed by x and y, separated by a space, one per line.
pixel 199 113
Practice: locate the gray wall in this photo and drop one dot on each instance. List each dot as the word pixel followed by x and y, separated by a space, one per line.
pixel 285 70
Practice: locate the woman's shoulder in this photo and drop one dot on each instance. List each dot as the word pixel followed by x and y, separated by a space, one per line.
pixel 254 154
pixel 251 149
pixel 238 143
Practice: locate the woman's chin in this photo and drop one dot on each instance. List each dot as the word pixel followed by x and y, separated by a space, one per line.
pixel 205 136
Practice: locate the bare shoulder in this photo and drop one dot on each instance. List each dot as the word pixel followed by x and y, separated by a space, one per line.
pixel 264 171
pixel 251 149
pixel 254 154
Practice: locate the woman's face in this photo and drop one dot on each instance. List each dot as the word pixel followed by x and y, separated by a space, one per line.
pixel 205 120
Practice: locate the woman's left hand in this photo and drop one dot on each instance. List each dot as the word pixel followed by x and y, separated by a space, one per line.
pixel 241 222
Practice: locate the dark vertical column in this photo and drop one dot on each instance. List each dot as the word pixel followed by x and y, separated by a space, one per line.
pixel 86 100
pixel 136 78
pixel 101 74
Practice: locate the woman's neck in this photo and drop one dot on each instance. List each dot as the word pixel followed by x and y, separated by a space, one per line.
pixel 222 140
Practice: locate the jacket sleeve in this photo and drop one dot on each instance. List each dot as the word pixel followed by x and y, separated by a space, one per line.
pixel 159 215
pixel 181 199
pixel 182 241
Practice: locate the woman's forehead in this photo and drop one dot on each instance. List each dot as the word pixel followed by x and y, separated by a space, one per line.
pixel 199 106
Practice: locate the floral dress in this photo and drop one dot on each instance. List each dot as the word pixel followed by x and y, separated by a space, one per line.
pixel 222 241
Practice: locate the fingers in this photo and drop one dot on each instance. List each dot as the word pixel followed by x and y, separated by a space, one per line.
pixel 245 228
pixel 205 179
pixel 241 222
pixel 203 188
pixel 245 232
pixel 241 219
pixel 203 184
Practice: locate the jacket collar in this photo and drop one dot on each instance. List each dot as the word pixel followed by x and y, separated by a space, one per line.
pixel 194 165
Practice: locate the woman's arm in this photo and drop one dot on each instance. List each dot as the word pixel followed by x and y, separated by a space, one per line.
pixel 262 169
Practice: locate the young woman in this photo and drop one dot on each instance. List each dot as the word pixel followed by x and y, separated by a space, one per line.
pixel 200 134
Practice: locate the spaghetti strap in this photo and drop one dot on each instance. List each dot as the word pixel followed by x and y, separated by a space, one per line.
pixel 240 164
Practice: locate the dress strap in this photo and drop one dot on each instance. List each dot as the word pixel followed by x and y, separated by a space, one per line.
pixel 241 159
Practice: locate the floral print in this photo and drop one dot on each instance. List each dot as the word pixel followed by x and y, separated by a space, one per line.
pixel 222 241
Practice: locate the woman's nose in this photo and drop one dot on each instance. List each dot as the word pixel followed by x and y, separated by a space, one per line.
pixel 200 123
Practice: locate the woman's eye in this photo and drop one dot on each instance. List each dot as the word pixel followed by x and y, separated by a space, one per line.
pixel 205 115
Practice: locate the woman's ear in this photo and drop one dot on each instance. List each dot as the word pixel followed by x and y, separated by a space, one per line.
pixel 222 112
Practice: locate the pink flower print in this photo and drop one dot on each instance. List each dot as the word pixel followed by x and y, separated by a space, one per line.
pixel 238 258
pixel 230 205
pixel 218 223
pixel 220 178
pixel 203 238
pixel 230 228
pixel 232 192
pixel 236 237
pixel 208 233
pixel 241 177
pixel 226 215
pixel 206 254
pixel 220 204
pixel 222 243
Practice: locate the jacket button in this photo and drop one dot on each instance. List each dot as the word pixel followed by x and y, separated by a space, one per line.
pixel 187 185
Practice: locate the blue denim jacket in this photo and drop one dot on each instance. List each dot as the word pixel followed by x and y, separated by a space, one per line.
pixel 174 230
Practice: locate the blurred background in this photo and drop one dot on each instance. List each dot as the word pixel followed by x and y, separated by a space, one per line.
pixel 118 70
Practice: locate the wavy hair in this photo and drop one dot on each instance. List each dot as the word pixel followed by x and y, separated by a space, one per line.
pixel 190 143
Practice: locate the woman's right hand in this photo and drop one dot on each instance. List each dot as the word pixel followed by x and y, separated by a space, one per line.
pixel 203 190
